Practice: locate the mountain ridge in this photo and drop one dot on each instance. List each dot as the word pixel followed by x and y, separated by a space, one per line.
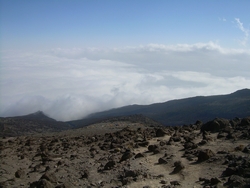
pixel 39 115
pixel 187 110
pixel 169 113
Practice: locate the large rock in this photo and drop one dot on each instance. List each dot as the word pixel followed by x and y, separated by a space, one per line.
pixel 109 165
pixel 50 177
pixel 215 125
pixel 178 166
pixel 42 183
pixel 237 181
pixel 152 148
pixel 205 155
pixel 160 133
pixel 247 149
pixel 127 155
pixel 245 122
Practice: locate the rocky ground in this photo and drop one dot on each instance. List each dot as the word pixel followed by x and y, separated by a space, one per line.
pixel 130 154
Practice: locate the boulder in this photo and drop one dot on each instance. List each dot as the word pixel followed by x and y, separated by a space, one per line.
pixel 50 177
pixel 205 155
pixel 175 183
pixel 160 133
pixel 42 183
pixel 162 160
pixel 215 125
pixel 152 148
pixel 178 166
pixel 236 181
pixel 247 149
pixel 245 121
pixel 127 155
pixel 215 181
pixel 139 155
pixel 190 145
pixel 85 174
pixel 176 138
pixel 109 165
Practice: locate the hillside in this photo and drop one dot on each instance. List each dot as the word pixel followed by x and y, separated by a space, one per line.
pixel 184 111
pixel 30 124
pixel 175 112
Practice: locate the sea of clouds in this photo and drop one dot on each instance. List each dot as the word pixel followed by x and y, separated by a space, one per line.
pixel 69 84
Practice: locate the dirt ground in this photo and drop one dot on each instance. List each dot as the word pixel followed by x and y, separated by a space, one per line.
pixel 125 154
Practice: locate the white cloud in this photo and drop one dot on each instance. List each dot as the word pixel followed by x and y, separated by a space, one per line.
pixel 244 30
pixel 223 19
pixel 72 83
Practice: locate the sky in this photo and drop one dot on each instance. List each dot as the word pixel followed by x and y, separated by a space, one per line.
pixel 71 58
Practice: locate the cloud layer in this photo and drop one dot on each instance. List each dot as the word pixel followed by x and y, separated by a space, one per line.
pixel 72 83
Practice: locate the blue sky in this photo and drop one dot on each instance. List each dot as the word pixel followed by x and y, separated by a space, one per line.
pixel 112 23
pixel 93 55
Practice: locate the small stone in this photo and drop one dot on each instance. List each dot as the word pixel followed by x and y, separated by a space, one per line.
pixel 85 174
pixel 178 166
pixel 20 173
pixel 152 148
pixel 139 155
pixel 50 177
pixel 163 182
pixel 162 161
pixel 175 183
pixel 215 181
pixel 109 165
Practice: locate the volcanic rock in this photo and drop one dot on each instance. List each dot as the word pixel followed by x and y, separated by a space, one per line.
pixel 152 148
pixel 215 125
pixel 162 160
pixel 42 183
pixel 178 167
pixel 247 149
pixel 160 133
pixel 127 155
pixel 85 174
pixel 50 177
pixel 139 155
pixel 109 165
pixel 245 121
pixel 205 155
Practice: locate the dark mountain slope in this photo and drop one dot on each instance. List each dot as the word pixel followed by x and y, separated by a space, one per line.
pixel 185 111
pixel 39 115
pixel 34 123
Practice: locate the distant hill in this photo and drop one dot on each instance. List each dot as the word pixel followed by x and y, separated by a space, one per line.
pixel 183 111
pixel 174 112
pixel 29 124
pixel 39 115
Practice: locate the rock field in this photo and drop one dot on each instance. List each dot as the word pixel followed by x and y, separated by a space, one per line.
pixel 130 154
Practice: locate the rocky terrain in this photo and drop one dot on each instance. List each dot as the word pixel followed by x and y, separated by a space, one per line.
pixel 129 153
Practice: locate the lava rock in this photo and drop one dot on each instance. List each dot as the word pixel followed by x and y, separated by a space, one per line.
pixel 20 173
pixel 162 161
pixel 215 125
pixel 152 148
pixel 160 133
pixel 178 166
pixel 205 155
pixel 109 165
pixel 50 177
pixel 139 155
pixel 127 155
